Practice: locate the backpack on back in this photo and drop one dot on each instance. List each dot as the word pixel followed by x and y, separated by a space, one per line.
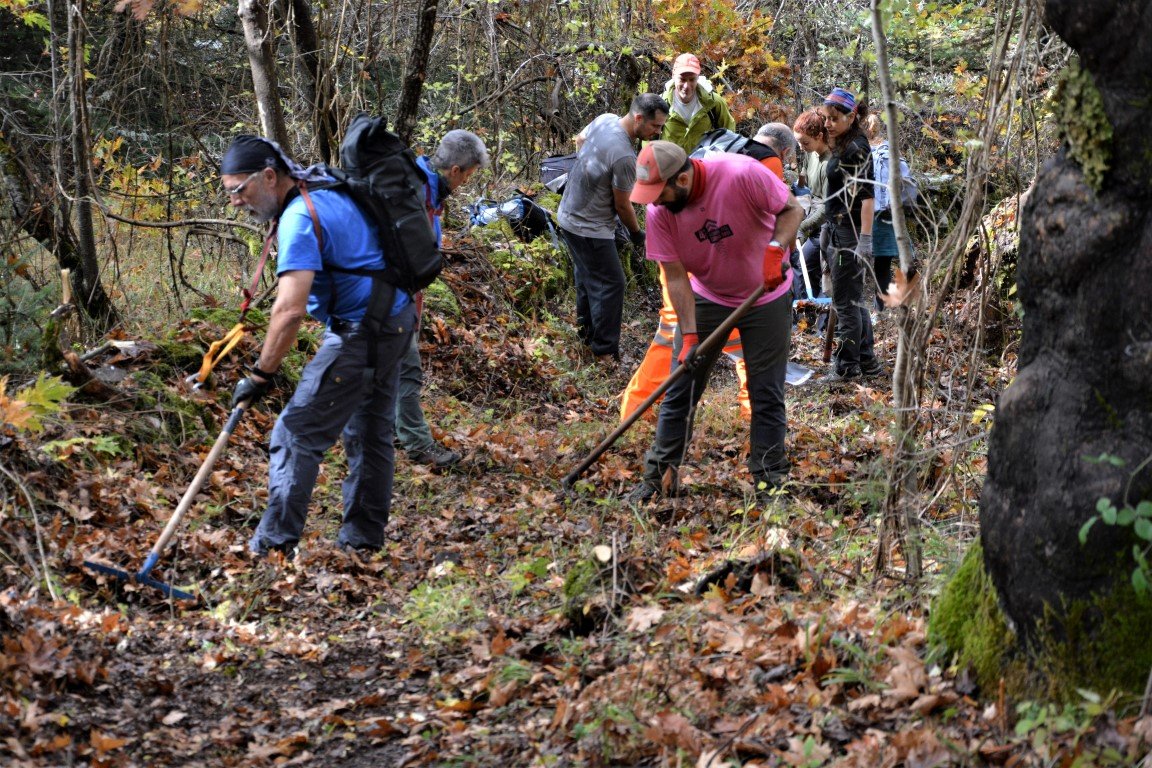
pixel 909 193
pixel 720 140
pixel 379 172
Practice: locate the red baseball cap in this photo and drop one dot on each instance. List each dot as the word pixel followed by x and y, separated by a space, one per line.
pixel 685 62
pixel 658 162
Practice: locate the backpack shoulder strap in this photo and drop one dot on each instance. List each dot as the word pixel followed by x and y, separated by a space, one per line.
pixel 312 212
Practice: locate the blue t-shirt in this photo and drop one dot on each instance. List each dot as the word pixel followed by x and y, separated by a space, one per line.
pixel 433 194
pixel 350 242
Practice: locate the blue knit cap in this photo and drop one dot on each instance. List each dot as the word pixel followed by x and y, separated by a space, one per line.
pixel 841 98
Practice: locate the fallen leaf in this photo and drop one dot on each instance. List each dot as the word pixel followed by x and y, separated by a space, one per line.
pixel 642 619
pixel 102 744
pixel 174 717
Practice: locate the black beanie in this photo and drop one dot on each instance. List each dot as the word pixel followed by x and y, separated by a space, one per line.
pixel 248 154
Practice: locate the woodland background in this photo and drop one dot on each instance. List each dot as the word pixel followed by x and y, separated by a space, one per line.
pixel 507 624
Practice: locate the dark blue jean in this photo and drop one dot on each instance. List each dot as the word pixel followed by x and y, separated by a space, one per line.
pixel 600 284
pixel 338 398
pixel 766 333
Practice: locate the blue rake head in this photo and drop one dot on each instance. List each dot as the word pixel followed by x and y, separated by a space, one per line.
pixel 140 578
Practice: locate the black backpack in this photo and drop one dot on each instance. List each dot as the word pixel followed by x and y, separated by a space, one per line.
pixel 720 140
pixel 379 172
pixel 724 140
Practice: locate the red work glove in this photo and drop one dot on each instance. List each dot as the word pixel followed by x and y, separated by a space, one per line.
pixel 688 344
pixel 775 261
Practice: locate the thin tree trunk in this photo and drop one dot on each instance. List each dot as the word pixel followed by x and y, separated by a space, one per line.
pixel 899 516
pixel 318 88
pixel 408 110
pixel 258 39
pixel 72 172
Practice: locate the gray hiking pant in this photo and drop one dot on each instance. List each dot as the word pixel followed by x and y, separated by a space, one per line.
pixel 338 397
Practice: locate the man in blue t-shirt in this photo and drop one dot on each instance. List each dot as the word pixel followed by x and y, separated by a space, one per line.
pixel 460 154
pixel 348 390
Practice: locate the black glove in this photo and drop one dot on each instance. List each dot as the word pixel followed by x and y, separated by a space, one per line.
pixel 638 237
pixel 251 390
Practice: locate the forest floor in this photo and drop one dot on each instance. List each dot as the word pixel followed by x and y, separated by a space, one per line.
pixel 507 624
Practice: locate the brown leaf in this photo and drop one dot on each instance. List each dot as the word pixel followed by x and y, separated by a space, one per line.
pixel 642 619
pixel 672 729
pixel 503 694
pixel 102 744
pixel 907 678
pixel 380 728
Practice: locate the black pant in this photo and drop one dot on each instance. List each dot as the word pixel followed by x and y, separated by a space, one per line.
pixel 854 340
pixel 600 284
pixel 765 331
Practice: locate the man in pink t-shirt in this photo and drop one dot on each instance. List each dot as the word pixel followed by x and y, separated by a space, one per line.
pixel 720 229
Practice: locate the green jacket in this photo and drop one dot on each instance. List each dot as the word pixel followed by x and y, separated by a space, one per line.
pixel 713 113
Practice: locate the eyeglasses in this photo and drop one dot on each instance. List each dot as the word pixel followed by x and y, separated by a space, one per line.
pixel 239 188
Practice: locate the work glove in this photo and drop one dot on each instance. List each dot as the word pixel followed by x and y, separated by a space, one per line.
pixel 251 390
pixel 638 238
pixel 775 264
pixel 864 247
pixel 688 344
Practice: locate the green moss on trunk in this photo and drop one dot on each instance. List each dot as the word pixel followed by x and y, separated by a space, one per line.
pixel 1101 645
pixel 966 621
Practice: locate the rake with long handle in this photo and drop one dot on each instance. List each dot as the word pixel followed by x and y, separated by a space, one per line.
pixel 143 576
pixel 718 336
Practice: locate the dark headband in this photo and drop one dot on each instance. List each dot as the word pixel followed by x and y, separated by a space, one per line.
pixel 248 154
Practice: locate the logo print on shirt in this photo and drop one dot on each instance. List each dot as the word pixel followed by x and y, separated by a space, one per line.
pixel 713 232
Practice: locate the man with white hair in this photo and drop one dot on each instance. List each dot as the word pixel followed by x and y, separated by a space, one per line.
pixel 460 154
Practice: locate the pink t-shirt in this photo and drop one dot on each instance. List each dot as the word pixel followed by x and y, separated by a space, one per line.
pixel 720 238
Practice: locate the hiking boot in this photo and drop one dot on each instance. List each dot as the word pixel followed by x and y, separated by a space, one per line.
pixel 770 487
pixel 359 554
pixel 287 552
pixel 849 374
pixel 872 368
pixel 435 456
pixel 642 493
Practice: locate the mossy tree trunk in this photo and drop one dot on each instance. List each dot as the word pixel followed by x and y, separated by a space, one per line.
pixel 1084 386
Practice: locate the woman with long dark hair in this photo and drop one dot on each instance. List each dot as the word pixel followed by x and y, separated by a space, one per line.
pixel 848 206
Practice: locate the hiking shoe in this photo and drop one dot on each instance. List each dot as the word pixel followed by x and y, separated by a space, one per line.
pixel 768 488
pixel 849 374
pixel 359 554
pixel 436 456
pixel 873 368
pixel 642 493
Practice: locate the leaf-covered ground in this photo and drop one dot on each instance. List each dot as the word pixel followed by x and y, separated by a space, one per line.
pixel 507 624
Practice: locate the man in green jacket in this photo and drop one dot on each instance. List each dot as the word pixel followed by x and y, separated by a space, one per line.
pixel 696 107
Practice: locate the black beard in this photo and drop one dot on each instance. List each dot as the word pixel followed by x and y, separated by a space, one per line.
pixel 680 202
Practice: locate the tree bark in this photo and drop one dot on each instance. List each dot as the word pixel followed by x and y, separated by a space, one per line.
pixel 899 519
pixel 317 85
pixel 258 39
pixel 408 109
pixel 74 250
pixel 1084 385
